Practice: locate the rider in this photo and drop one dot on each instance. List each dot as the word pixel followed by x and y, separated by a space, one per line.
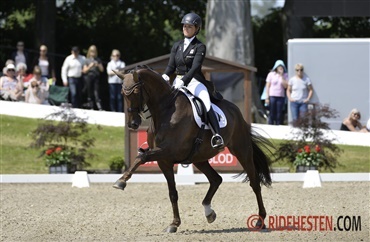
pixel 186 62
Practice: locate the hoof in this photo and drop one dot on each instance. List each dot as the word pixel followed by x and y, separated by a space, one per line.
pixel 260 224
pixel 120 185
pixel 171 229
pixel 212 217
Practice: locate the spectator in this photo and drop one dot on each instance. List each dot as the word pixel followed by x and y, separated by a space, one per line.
pixel 42 83
pixel 368 125
pixel 8 61
pixel 352 122
pixel 115 83
pixel 22 75
pixel 72 75
pixel 299 93
pixel 92 69
pixel 46 65
pixel 10 88
pixel 276 83
pixel 20 55
pixel 34 94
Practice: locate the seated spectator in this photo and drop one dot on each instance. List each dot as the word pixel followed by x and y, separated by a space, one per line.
pixel 42 82
pixel 9 61
pixel 352 122
pixel 34 94
pixel 10 88
pixel 22 75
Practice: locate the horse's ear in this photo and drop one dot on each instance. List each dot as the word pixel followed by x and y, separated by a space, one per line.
pixel 119 74
pixel 136 77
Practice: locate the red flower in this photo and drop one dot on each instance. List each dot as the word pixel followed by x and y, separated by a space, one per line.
pixel 307 149
pixel 317 148
pixel 58 149
pixel 49 151
pixel 299 150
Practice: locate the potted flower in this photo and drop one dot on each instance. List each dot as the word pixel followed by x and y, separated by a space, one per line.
pixel 308 158
pixel 309 146
pixel 65 141
pixel 116 164
pixel 60 160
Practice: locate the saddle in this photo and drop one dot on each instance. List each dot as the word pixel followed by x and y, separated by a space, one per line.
pixel 200 112
pixel 201 118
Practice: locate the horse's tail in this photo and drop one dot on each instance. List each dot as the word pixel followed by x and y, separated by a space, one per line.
pixel 260 159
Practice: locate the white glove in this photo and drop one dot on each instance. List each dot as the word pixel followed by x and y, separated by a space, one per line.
pixel 178 83
pixel 166 78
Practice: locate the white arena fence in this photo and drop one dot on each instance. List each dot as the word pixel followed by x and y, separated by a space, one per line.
pixel 27 110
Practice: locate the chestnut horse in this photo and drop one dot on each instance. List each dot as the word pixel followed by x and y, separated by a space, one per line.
pixel 172 134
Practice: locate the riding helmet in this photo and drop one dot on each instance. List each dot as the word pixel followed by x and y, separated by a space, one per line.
pixel 193 19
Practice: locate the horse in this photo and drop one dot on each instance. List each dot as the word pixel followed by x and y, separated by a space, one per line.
pixel 171 138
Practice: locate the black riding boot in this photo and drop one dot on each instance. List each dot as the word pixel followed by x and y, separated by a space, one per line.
pixel 216 142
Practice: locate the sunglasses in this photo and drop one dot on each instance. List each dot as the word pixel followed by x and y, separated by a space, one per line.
pixel 298 69
pixel 11 70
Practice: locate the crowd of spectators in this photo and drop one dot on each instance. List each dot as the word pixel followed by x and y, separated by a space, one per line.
pixel 23 79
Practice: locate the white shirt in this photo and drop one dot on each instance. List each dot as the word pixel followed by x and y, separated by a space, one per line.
pixel 114 65
pixel 44 66
pixel 72 67
pixel 299 88
pixel 20 58
pixel 187 41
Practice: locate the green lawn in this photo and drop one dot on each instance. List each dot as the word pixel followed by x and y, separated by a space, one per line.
pixel 17 158
pixel 352 159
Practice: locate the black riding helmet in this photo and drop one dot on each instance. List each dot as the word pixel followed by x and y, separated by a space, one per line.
pixel 193 19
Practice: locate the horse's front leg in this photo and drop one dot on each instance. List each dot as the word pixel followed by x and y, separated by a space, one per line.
pixel 149 155
pixel 167 169
pixel 121 182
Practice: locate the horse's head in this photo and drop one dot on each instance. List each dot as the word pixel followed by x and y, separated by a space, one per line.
pixel 132 91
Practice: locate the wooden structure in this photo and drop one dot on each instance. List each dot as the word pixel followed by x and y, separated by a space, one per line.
pixel 210 64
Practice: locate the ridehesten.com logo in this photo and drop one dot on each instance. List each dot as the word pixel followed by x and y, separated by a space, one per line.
pixel 306 223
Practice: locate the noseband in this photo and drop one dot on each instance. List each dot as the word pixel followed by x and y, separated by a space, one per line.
pixel 129 90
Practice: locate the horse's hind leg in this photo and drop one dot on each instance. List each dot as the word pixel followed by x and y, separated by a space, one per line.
pixel 244 153
pixel 167 169
pixel 214 182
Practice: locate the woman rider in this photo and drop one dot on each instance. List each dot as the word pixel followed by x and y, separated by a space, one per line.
pixel 186 62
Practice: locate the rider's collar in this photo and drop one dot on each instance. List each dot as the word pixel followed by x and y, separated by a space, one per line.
pixel 188 40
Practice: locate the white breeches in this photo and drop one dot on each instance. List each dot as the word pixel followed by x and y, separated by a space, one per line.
pixel 199 90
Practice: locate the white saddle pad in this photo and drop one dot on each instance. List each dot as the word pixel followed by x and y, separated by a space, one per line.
pixel 222 121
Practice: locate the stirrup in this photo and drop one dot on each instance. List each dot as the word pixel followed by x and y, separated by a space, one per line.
pixel 217 141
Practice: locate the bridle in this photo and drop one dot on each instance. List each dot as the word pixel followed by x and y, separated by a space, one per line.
pixel 129 90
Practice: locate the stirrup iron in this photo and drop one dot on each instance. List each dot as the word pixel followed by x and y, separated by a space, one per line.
pixel 217 141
